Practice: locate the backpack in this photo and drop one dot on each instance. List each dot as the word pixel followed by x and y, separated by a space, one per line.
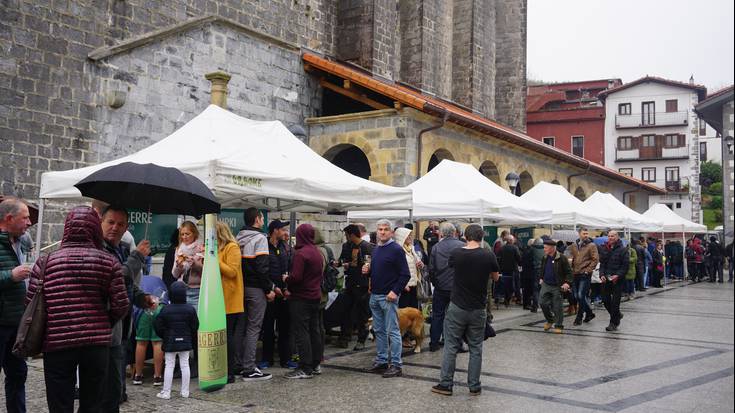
pixel 329 280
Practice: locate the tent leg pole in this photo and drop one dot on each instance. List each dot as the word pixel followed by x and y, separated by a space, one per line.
pixel 685 270
pixel 663 242
pixel 39 224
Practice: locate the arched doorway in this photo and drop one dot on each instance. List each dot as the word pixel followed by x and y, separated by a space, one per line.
pixel 350 158
pixel 525 184
pixel 580 194
pixel 438 156
pixel 490 171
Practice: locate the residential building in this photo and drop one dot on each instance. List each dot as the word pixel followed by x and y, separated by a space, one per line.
pixel 652 133
pixel 719 112
pixel 569 116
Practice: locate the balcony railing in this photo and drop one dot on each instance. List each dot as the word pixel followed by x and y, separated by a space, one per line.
pixel 680 186
pixel 650 120
pixel 651 153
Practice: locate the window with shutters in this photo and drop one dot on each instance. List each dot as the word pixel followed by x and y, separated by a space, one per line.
pixel 674 140
pixel 672 105
pixel 625 142
pixel 648 174
pixel 648 141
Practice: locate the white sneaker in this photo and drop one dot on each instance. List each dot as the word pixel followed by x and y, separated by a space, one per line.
pixel 164 395
pixel 185 395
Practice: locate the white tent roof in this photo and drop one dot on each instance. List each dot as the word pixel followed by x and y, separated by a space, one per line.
pixel 567 209
pixel 458 190
pixel 246 162
pixel 671 220
pixel 609 206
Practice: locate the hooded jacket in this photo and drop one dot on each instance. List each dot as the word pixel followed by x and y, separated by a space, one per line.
pixel 307 271
pixel 632 264
pixel 83 286
pixel 584 257
pixel 254 250
pixel 177 323
pixel 400 235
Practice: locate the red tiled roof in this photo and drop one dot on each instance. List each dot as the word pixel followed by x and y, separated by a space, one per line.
pixel 700 89
pixel 465 118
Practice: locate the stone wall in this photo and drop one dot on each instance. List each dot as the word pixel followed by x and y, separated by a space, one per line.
pixel 728 165
pixel 510 62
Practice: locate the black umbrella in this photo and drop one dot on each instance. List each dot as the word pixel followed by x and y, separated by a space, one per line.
pixel 151 188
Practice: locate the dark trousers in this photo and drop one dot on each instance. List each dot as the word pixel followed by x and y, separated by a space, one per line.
pixel 235 334
pixel 529 298
pixel 639 279
pixel 15 371
pixel 60 374
pixel 552 305
pixel 611 298
pixel 716 273
pixel 358 313
pixel 408 299
pixel 439 304
pixel 306 327
pixel 506 287
pixel 656 277
pixel 277 317
pixel 113 381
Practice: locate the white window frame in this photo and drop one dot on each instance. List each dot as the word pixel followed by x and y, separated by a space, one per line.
pixel 552 138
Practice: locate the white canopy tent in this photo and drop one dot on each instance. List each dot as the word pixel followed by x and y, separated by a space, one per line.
pixel 610 207
pixel 247 163
pixel 453 190
pixel 672 222
pixel 567 209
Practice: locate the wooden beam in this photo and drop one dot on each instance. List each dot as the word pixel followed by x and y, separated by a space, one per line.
pixel 353 95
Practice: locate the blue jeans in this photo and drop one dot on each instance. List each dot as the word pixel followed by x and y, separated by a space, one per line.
pixel 15 370
pixel 581 288
pixel 645 275
pixel 387 332
pixel 439 304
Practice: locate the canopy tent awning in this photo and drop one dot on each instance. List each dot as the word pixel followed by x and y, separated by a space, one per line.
pixel 672 222
pixel 610 207
pixel 454 190
pixel 566 208
pixel 248 163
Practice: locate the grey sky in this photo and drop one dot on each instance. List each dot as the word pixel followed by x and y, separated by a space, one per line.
pixel 628 39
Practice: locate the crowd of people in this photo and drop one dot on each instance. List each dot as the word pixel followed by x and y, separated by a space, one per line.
pixel 292 298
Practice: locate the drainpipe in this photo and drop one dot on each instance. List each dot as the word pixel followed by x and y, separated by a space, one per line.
pixel 419 145
pixel 569 178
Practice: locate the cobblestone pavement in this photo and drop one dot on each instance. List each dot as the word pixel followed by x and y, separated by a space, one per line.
pixel 673 353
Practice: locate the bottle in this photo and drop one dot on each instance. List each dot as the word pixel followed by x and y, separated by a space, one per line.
pixel 212 351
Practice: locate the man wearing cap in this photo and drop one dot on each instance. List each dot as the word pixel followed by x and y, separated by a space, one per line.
pixel 555 277
pixel 276 312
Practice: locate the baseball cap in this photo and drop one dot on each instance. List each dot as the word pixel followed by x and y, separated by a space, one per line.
pixel 277 224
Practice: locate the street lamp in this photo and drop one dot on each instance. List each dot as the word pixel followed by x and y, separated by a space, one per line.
pixel 512 179
pixel 729 141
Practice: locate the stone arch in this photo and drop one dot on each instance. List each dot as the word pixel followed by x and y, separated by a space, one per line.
pixel 490 171
pixel 525 184
pixel 438 156
pixel 350 158
pixel 580 193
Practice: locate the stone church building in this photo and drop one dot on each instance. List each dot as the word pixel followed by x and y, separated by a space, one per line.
pixel 383 88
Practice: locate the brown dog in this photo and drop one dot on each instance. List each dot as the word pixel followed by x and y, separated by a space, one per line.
pixel 410 319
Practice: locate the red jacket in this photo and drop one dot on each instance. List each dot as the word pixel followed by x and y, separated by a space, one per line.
pixel 83 286
pixel 305 281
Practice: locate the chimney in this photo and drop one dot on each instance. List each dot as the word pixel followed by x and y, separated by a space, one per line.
pixel 691 79
pixel 219 88
pixel 610 83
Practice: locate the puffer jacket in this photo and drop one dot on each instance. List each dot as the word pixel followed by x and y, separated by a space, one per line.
pixel 11 293
pixel 177 323
pixel 632 264
pixel 614 260
pixel 83 286
pixel 584 257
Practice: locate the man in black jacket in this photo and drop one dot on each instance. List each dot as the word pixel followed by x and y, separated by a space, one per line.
pixel 276 312
pixel 353 257
pixel 613 267
pixel 555 278
pixel 259 289
pixel 715 252
pixel 510 260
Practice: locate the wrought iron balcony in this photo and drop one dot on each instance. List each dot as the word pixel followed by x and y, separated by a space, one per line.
pixel 651 120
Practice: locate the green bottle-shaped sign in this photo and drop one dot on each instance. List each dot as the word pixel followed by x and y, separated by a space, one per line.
pixel 211 311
